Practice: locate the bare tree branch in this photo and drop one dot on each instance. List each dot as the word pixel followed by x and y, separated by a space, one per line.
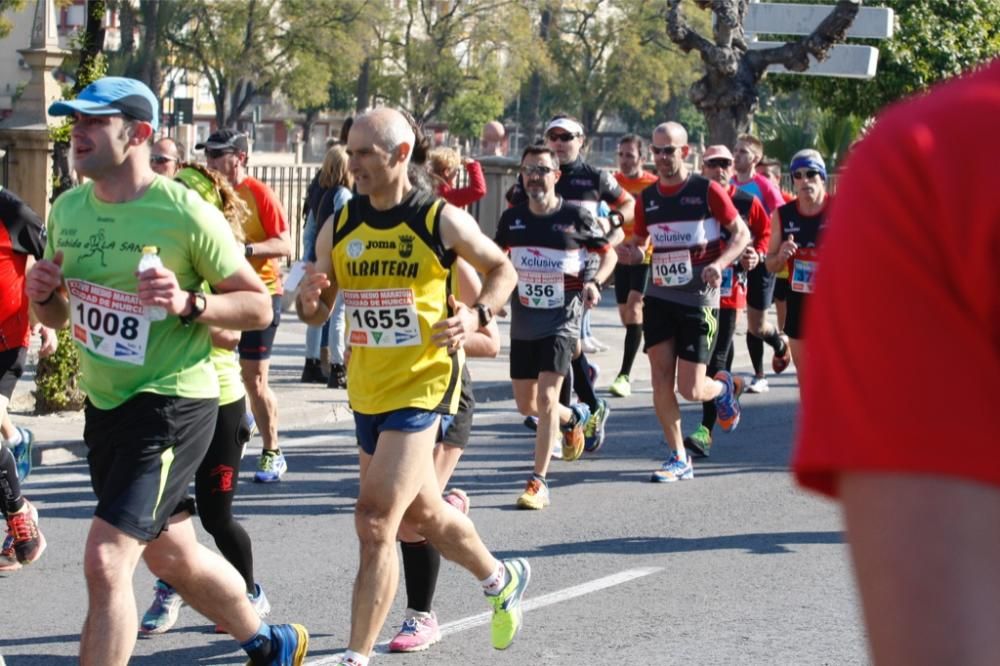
pixel 795 55
pixel 723 58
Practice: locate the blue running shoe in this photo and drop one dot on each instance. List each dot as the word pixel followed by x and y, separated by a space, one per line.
pixel 290 642
pixel 271 466
pixel 22 454
pixel 727 403
pixel 163 612
pixel 673 470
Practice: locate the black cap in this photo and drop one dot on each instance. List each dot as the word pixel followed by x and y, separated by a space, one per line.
pixel 225 139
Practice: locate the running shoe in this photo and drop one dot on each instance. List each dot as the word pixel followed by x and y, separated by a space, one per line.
pixel 727 403
pixel 290 643
pixel 507 611
pixel 758 385
pixel 597 344
pixel 419 632
pixel 163 612
pixel 573 437
pixel 673 470
pixel 531 423
pixel 458 499
pixel 593 432
pixel 259 602
pixel 22 453
pixel 271 466
pixel 535 495
pixel 8 558
pixel 29 542
pixel 779 362
pixel 621 387
pixel 588 347
pixel 699 442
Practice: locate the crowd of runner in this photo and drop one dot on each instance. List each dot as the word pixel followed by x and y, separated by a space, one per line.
pixel 402 285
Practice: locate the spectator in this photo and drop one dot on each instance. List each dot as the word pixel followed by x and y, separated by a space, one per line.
pixel 443 164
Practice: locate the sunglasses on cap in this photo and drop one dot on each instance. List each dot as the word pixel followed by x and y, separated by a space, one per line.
pixel 719 163
pixel 807 173
pixel 216 153
pixel 663 150
pixel 536 170
pixel 565 137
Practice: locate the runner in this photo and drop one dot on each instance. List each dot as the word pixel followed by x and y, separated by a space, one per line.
pixel 717 165
pixel 801 223
pixel 771 168
pixel 218 474
pixel 152 393
pixel 421 560
pixel 549 240
pixel 22 242
pixel 166 158
pixel 912 244
pixel 683 216
pixel 631 272
pixel 749 152
pixel 268 241
pixel 443 164
pixel 390 250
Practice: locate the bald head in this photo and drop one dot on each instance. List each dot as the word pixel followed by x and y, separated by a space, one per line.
pixel 675 133
pixel 492 140
pixel 390 129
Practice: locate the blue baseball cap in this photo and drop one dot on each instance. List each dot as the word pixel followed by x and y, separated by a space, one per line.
pixel 112 95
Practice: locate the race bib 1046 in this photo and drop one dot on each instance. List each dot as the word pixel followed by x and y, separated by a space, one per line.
pixel 382 318
pixel 108 322
pixel 672 268
pixel 803 277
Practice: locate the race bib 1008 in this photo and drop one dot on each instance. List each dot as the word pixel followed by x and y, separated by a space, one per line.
pixel 382 318
pixel 672 268
pixel 108 322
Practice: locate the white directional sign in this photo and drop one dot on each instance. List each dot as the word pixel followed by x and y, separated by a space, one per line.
pixel 783 18
pixel 844 60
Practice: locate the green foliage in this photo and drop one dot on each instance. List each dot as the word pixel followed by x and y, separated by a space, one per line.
pixel 787 126
pixel 8 6
pixel 57 378
pixel 934 39
pixel 471 109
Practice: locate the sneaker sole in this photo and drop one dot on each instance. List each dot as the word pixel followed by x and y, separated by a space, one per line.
pixel 694 448
pixel 525 580
pixel 601 431
pixel 655 478
pixel 415 648
pixel 531 505
pixel 571 451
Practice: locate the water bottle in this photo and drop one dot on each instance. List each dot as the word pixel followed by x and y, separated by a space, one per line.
pixel 151 259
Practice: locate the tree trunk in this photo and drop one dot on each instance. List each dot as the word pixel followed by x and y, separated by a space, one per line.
pixel 530 117
pixel 727 103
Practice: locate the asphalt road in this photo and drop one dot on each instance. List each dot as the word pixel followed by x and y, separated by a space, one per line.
pixel 736 566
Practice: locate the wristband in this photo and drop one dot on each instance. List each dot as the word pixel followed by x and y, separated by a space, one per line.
pixel 52 294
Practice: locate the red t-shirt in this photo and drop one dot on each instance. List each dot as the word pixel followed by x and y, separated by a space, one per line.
pixel 471 193
pixel 267 220
pixel 21 234
pixel 904 349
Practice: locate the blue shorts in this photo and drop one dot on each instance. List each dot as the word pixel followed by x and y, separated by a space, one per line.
pixel 368 427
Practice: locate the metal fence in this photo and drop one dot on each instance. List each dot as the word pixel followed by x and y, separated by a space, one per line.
pixel 290 183
pixel 4 166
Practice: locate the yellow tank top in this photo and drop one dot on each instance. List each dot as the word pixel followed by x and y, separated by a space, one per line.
pixel 393 271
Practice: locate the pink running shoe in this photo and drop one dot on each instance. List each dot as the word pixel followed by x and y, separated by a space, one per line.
pixel 458 499
pixel 419 632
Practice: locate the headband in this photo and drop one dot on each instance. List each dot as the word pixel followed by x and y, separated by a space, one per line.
pixel 809 163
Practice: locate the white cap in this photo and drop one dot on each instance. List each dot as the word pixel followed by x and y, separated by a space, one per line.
pixel 567 124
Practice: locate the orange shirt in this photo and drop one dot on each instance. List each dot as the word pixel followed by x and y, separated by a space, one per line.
pixel 267 220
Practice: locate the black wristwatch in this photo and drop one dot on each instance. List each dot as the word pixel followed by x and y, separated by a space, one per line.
pixel 485 314
pixel 248 250
pixel 197 301
pixel 616 219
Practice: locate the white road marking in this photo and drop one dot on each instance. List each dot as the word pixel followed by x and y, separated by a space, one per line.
pixel 530 604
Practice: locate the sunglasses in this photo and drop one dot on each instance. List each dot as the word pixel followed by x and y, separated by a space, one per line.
pixel 565 137
pixel 720 163
pixel 808 173
pixel 663 150
pixel 536 170
pixel 216 153
pixel 161 159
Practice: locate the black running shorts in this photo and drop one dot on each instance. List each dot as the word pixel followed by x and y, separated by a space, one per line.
pixel 629 278
pixel 11 369
pixel 530 357
pixel 795 314
pixel 760 288
pixel 781 289
pixel 692 328
pixel 143 454
pixel 256 345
